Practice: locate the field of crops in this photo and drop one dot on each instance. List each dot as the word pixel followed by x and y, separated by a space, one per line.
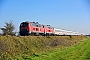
pixel 40 47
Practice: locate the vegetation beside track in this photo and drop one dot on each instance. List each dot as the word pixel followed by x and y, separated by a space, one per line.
pixel 78 52
pixel 12 47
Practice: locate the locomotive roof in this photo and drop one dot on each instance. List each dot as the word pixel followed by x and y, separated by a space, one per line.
pixel 37 24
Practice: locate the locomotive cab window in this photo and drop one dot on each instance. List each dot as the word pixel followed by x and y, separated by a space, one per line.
pixel 24 24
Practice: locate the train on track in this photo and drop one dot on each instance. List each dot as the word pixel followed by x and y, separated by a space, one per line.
pixel 34 28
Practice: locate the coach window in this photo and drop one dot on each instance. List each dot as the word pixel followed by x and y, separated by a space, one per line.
pixel 43 26
pixel 49 27
pixel 37 25
pixel 57 30
pixel 40 25
pixel 32 24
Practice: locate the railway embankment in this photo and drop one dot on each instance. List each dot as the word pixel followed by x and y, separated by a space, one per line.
pixel 13 47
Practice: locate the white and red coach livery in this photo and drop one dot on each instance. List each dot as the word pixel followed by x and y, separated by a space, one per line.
pixel 34 28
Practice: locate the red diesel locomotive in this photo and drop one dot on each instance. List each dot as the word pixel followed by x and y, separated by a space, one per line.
pixel 34 28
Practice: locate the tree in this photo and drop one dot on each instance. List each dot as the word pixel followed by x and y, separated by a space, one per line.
pixel 8 29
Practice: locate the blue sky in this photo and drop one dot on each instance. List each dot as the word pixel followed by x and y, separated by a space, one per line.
pixel 71 15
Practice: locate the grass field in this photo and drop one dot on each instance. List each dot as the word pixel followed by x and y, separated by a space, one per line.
pixel 78 52
pixel 40 47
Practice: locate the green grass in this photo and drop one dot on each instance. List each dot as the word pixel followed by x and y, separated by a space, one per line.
pixel 22 47
pixel 80 51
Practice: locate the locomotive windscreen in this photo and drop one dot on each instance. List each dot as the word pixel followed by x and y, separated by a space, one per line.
pixel 24 24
